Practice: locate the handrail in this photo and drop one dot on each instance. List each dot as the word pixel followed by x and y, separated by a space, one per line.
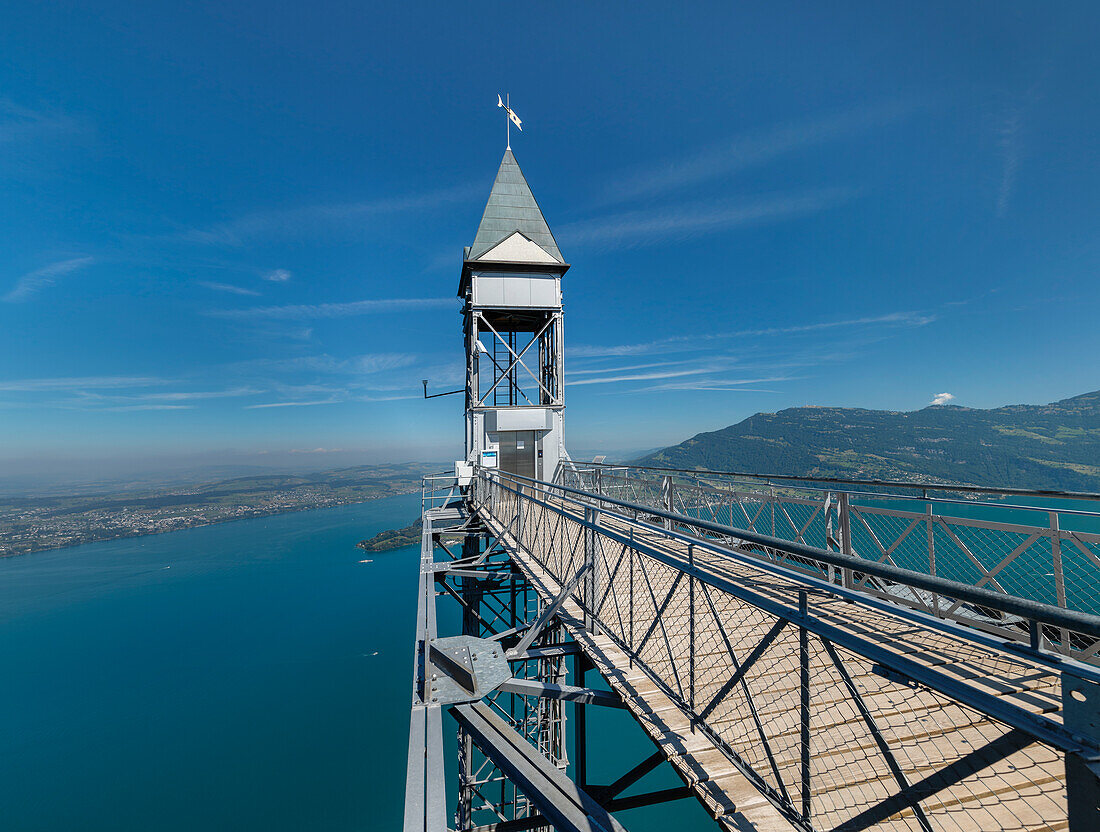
pixel 920 486
pixel 1038 611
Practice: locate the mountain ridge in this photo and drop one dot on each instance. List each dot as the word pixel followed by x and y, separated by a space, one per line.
pixel 1049 446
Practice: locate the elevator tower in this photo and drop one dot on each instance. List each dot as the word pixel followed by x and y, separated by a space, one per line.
pixel 512 321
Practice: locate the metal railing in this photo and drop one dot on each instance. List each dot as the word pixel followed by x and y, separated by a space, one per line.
pixel 1042 546
pixel 839 727
pixel 438 491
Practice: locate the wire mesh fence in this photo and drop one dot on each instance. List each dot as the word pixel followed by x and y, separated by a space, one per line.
pixel 1048 551
pixel 833 737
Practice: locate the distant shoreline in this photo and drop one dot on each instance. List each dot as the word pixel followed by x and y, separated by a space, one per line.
pixel 257 514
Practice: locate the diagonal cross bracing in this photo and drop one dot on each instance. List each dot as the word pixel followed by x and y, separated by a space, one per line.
pixel 935 669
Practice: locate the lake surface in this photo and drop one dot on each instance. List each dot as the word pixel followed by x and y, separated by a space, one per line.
pixel 247 676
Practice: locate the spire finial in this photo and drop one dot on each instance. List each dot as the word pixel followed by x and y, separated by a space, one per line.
pixel 512 117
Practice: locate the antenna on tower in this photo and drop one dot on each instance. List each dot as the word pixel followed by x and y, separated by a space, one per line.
pixel 424 381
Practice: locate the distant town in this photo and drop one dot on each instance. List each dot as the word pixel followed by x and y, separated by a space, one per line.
pixel 34 524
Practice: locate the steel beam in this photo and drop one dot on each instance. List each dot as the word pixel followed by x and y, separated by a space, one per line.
pixel 567 693
pixel 425 794
pixel 631 777
pixel 550 651
pixel 619 804
pixel 559 800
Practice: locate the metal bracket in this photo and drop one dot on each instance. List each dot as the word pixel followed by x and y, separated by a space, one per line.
pixel 464 669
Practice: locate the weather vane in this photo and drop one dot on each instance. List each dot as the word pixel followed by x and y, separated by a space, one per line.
pixel 512 117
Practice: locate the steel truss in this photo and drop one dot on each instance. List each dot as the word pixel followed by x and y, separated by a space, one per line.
pixel 523 354
pixel 514 770
pixel 987 537
pixel 818 716
pixel 667 598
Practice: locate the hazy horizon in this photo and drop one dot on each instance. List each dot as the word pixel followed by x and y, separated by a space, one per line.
pixel 237 236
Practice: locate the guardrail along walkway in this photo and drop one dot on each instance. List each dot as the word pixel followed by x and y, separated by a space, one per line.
pixel 786 698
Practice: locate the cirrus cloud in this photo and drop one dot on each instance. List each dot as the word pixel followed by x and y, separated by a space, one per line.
pixel 34 282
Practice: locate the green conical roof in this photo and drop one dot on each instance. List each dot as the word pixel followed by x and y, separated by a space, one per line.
pixel 511 208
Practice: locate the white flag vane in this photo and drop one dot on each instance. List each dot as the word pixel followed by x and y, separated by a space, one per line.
pixel 512 117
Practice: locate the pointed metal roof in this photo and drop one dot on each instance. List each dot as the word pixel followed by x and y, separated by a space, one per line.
pixel 511 208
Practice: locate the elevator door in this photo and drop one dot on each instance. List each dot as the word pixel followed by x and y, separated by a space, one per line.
pixel 517 452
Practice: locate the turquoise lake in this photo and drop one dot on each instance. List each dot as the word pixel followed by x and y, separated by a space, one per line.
pixel 248 676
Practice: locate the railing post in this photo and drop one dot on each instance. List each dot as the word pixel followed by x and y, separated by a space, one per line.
pixel 846 579
pixel 931 521
pixel 630 633
pixel 1059 576
pixel 804 702
pixel 691 630
pixel 591 516
pixel 666 499
pixel 771 491
pixel 519 518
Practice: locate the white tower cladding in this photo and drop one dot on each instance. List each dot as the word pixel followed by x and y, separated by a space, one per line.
pixel 515 369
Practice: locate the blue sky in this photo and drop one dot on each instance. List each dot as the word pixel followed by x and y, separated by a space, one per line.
pixel 233 230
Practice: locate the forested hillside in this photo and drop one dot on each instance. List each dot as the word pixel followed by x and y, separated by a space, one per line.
pixel 1053 446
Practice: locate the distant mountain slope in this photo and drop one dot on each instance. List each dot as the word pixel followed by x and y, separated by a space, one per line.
pixel 1053 446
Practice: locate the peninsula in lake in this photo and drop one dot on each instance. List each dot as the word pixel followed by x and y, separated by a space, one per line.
pixel 393 538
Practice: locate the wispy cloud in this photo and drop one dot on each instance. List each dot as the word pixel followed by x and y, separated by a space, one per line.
pixel 1010 143
pixel 702 341
pixel 619 350
pixel 753 149
pixel 605 370
pixel 353 365
pixel 171 396
pixel 228 287
pixel 293 221
pixel 637 377
pixel 23 124
pixel 379 362
pixel 332 310
pixel 323 379
pixel 734 385
pixel 903 318
pixel 31 385
pixel 278 276
pixel 128 407
pixel 632 229
pixel 942 398
pixel 373 398
pixel 34 282
pixel 291 404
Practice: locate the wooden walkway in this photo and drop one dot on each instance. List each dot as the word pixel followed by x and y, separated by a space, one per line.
pixel 854 707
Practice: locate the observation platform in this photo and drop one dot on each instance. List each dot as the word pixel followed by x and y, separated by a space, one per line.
pixel 788 685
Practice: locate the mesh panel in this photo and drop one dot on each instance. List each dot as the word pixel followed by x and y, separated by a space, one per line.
pixel 819 726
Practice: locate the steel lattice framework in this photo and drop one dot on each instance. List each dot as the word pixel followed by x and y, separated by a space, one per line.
pixel 790 685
